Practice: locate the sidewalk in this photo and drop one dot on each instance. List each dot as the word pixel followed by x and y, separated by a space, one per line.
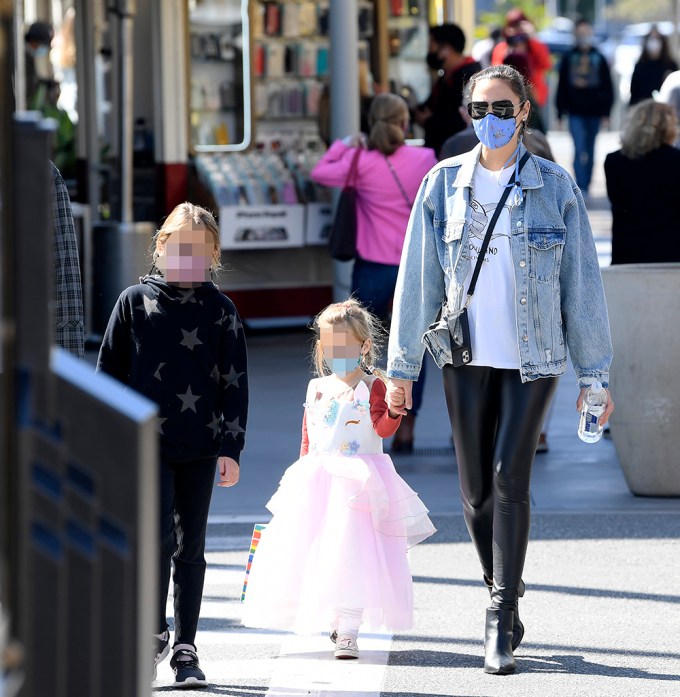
pixel 602 572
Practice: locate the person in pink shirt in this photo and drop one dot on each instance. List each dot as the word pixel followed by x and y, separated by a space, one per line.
pixel 389 173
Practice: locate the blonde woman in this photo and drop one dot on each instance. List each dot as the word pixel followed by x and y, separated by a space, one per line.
pixel 643 181
pixel 389 173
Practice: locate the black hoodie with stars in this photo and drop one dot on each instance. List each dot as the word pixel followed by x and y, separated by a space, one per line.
pixel 185 350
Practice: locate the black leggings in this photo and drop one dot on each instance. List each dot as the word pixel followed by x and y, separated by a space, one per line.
pixel 186 490
pixel 496 421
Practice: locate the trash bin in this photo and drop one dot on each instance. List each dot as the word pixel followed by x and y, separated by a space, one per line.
pixel 121 255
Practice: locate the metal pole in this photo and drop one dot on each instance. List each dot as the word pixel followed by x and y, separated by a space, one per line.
pixel 344 68
pixel 88 131
pixel 344 98
pixel 125 10
pixel 19 57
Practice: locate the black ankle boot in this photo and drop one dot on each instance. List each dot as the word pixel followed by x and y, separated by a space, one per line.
pixel 498 658
pixel 517 626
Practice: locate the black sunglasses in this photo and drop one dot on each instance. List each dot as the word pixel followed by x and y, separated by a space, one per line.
pixel 503 109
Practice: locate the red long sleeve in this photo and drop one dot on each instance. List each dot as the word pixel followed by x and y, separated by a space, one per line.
pixel 304 445
pixel 384 425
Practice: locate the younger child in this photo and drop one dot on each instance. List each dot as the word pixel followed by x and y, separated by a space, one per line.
pixel 334 555
pixel 176 339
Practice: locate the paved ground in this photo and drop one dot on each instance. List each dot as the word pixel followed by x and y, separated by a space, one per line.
pixel 603 571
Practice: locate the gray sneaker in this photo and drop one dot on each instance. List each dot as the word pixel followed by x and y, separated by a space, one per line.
pixel 346 647
pixel 161 648
pixel 188 674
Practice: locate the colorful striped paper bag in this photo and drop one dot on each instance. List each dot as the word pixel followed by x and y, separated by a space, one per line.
pixel 257 532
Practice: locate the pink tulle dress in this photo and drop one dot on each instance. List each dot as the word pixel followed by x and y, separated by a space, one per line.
pixel 343 520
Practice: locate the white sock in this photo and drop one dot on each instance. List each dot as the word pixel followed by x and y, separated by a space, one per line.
pixel 349 621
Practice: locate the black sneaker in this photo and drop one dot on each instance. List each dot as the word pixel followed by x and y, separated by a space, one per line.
pixel 188 675
pixel 161 648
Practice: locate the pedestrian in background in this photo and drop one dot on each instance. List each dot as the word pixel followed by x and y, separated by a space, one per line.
pixel 68 310
pixel 653 67
pixel 388 174
pixel 334 555
pixel 438 114
pixel 519 34
pixel 176 339
pixel 585 93
pixel 539 291
pixel 643 185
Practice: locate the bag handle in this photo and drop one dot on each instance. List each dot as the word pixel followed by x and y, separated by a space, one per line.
pixel 492 225
pixel 399 184
pixel 351 179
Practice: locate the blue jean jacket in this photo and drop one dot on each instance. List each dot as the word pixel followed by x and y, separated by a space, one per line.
pixel 558 286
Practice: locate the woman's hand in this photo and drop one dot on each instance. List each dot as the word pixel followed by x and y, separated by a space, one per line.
pixel 398 396
pixel 229 471
pixel 609 407
pixel 358 140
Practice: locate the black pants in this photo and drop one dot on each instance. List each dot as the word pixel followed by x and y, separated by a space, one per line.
pixel 185 492
pixel 496 421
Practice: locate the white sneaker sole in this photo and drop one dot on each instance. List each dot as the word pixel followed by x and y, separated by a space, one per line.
pixel 191 683
pixel 346 653
pixel 159 659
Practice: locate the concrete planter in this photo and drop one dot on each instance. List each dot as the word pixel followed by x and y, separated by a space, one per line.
pixel 644 313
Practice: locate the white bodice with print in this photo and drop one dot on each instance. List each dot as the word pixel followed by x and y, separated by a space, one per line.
pixel 339 418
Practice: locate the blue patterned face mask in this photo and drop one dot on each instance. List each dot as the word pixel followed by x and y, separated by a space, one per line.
pixel 494 132
pixel 344 366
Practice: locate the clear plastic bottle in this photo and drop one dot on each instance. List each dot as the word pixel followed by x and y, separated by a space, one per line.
pixel 594 403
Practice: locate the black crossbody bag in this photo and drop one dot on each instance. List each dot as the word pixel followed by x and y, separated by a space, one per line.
pixel 461 354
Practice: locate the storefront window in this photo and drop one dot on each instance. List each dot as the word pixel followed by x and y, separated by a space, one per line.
pixel 220 90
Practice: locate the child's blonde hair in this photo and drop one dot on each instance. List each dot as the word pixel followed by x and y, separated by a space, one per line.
pixel 360 322
pixel 182 215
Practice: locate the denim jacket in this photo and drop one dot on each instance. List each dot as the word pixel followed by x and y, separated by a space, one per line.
pixel 558 286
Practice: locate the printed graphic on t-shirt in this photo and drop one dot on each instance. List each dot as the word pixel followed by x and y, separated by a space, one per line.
pixel 481 215
pixel 585 70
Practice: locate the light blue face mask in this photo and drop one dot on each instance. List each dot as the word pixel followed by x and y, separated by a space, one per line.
pixel 344 366
pixel 494 132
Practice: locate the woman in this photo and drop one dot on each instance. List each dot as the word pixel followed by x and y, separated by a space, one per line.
pixel 540 290
pixel 643 185
pixel 519 30
pixel 653 67
pixel 388 176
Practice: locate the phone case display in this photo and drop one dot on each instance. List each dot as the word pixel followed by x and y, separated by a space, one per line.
pixel 408 41
pixel 291 56
pixel 217 97
pixel 264 198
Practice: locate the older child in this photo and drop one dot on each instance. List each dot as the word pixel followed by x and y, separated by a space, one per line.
pixel 176 339
pixel 334 555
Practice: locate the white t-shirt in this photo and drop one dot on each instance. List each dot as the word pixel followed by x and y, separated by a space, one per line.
pixel 492 313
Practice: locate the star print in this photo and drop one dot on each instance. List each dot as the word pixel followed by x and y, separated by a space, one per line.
pixel 214 425
pixel 188 297
pixel 224 316
pixel 190 339
pixel 189 400
pixel 157 374
pixel 159 426
pixel 233 429
pixel 150 306
pixel 231 378
pixel 235 324
pixel 215 374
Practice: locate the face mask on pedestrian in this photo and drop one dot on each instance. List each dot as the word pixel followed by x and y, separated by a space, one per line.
pixel 584 42
pixel 653 47
pixel 434 62
pixel 494 132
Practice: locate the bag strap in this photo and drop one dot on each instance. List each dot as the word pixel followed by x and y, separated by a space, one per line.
pixel 399 184
pixel 351 178
pixel 492 225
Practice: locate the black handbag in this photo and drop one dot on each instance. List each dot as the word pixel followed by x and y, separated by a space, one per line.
pixel 342 242
pixel 461 353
